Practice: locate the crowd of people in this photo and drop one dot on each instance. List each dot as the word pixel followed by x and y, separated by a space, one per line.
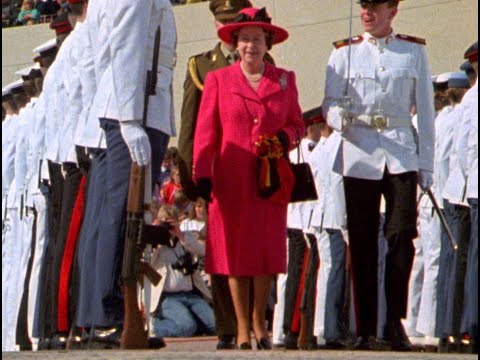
pixel 29 12
pixel 383 257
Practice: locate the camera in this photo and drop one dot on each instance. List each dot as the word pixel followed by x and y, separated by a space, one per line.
pixel 186 264
pixel 160 235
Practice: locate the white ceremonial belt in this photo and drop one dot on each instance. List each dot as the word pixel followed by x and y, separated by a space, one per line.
pixel 379 122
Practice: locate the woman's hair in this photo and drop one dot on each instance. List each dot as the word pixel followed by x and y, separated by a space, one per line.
pixel 168 212
pixel 192 213
pixel 455 95
pixel 441 100
pixel 25 2
pixel 268 39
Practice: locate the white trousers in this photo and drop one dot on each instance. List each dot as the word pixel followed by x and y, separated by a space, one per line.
pixel 40 246
pixel 430 240
pixel 18 245
pixel 278 336
pixel 322 281
pixel 422 302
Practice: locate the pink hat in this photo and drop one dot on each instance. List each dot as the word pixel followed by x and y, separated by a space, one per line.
pixel 252 17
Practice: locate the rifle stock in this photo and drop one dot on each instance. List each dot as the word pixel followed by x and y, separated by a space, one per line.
pixel 134 335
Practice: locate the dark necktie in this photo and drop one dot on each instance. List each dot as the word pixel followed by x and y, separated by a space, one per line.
pixel 311 146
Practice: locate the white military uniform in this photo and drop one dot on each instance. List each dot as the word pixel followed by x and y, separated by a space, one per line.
pixel 467 146
pixel 328 213
pixel 388 76
pixel 127 104
pixel 70 54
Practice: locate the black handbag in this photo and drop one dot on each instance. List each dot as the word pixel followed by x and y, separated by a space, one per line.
pixel 304 188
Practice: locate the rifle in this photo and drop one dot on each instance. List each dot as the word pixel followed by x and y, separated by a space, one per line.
pixel 307 307
pixel 134 335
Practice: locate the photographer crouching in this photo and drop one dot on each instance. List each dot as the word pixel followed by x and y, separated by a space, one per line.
pixel 182 295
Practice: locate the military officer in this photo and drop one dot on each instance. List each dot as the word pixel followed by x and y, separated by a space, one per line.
pixel 389 75
pixel 198 66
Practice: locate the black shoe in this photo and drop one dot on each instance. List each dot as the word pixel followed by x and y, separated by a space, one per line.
pixel 58 342
pixel 244 346
pixel 395 335
pixel 44 344
pixel 442 345
pixel 264 344
pixel 365 343
pixel 156 343
pixel 106 339
pixel 335 344
pixel 226 342
pixel 291 341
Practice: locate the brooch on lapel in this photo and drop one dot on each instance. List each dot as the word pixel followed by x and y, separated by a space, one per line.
pixel 283 81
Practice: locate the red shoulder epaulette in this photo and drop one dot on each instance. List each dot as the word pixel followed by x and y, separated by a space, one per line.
pixel 341 43
pixel 412 39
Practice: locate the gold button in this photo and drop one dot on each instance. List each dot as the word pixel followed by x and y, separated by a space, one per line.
pixel 257 143
pixel 255 121
pixel 382 69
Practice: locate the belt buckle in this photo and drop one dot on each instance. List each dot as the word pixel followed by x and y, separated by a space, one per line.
pixel 379 122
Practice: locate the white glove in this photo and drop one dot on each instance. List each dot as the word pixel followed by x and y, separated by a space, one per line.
pixel 137 141
pixel 338 117
pixel 425 179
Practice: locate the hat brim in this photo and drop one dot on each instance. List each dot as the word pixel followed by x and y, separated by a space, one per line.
pixel 225 33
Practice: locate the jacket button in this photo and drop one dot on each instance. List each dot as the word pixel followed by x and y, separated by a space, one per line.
pixel 255 121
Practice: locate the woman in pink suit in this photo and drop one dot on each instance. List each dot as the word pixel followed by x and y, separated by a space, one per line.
pixel 249 111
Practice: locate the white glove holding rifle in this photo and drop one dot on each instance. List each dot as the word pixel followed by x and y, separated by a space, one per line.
pixel 137 142
pixel 425 179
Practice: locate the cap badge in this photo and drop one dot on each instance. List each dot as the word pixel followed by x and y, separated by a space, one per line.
pixel 283 81
pixel 228 6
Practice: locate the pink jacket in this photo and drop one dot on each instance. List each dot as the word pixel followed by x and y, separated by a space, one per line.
pixel 246 234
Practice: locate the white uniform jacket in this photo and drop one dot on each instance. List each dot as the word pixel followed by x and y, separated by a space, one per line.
pixel 443 147
pixel 21 149
pixel 121 88
pixel 456 186
pixel 36 140
pixel 9 126
pixel 73 95
pixel 88 132
pixel 388 77
pixel 299 214
pixel 55 106
pixel 330 211
pixel 467 147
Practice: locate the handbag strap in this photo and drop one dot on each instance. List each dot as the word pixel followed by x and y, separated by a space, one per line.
pixel 299 150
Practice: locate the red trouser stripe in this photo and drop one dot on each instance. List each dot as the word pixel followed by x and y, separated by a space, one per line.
pixel 63 321
pixel 301 286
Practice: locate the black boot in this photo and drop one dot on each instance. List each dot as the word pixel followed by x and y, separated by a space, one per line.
pixel 395 335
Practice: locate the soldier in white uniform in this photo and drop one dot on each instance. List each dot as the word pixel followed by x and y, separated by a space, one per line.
pixel 119 106
pixel 301 238
pixel 468 155
pixel 330 222
pixel 453 264
pixel 37 190
pixel 26 243
pixel 55 116
pixel 14 245
pixel 379 156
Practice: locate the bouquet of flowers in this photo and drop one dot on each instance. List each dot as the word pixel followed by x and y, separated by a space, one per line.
pixel 275 178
